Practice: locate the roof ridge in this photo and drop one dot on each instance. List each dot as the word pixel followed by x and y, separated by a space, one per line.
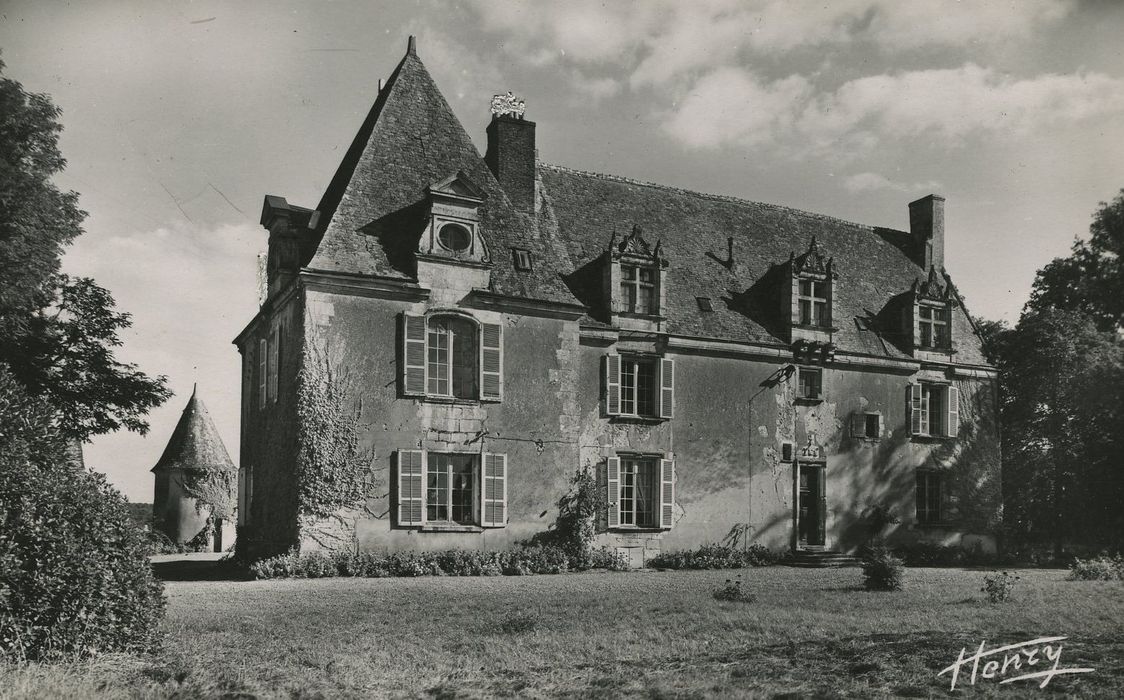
pixel 709 195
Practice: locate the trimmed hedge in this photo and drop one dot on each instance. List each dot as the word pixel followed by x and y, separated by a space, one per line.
pixel 74 573
pixel 715 556
pixel 521 561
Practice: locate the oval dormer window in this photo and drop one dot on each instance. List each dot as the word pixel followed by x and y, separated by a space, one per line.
pixel 454 237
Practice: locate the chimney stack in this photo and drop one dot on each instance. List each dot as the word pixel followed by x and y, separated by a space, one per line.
pixel 926 226
pixel 511 158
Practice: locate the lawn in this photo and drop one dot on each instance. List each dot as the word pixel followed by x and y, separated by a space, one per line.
pixel 654 634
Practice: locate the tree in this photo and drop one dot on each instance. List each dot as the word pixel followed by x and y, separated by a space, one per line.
pixel 1063 424
pixel 1091 279
pixel 59 332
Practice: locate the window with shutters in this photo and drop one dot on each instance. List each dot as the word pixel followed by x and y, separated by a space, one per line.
pixel 639 386
pixel 641 492
pixel 451 489
pixel 934 410
pixel 867 426
pixel 930 496
pixel 263 371
pixel 449 356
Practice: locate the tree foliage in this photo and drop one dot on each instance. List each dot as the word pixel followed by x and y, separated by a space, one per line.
pixel 59 332
pixel 74 572
pixel 1062 382
pixel 1091 280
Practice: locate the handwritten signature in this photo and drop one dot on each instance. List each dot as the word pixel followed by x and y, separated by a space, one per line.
pixel 1014 657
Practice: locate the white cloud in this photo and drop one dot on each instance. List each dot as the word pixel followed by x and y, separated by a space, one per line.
pixel 870 182
pixel 660 42
pixel 732 105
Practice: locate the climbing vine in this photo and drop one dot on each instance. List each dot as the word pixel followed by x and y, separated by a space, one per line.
pixel 212 489
pixel 576 526
pixel 333 470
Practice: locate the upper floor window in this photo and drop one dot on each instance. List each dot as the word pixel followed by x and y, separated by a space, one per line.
pixel 934 410
pixel 866 425
pixel 810 383
pixel 932 326
pixel 813 303
pixel 641 492
pixel 639 386
pixel 454 238
pixel 451 356
pixel 638 289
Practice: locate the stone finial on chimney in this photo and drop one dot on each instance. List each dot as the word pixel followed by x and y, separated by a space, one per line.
pixel 926 227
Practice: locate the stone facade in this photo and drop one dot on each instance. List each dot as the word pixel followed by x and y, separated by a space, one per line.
pixel 695 416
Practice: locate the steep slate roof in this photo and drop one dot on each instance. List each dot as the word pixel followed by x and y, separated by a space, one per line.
pixel 195 443
pixel 371 217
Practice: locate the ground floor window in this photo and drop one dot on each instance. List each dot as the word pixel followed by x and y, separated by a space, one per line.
pixel 451 488
pixel 930 487
pixel 638 492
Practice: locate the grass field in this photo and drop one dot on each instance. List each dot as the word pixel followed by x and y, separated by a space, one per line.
pixel 652 634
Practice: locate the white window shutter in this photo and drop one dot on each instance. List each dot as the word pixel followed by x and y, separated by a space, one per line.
pixel 613 495
pixel 667 492
pixel 952 423
pixel 493 510
pixel 411 487
pixel 667 388
pixel 913 396
pixel 491 361
pixel 613 385
pixel 263 370
pixel 413 355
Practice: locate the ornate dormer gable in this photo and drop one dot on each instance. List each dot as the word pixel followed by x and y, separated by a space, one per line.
pixel 928 320
pixel 808 298
pixel 635 281
pixel 452 231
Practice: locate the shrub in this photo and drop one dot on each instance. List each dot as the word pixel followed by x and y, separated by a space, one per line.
pixel 74 573
pixel 575 527
pixel 521 561
pixel 998 586
pixel 882 571
pixel 733 591
pixel 1102 568
pixel 534 559
pixel 714 556
pixel 605 558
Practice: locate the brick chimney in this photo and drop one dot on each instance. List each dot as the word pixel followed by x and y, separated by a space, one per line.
pixel 511 158
pixel 926 226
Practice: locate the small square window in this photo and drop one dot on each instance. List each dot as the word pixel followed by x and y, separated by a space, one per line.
pixel 704 304
pixel 810 385
pixel 522 259
pixel 786 451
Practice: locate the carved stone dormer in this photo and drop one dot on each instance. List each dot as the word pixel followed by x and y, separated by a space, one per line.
pixel 808 296
pixel 452 257
pixel 928 320
pixel 635 281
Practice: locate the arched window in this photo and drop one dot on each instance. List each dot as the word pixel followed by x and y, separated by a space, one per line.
pixel 453 359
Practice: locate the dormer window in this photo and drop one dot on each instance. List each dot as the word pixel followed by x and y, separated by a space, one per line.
pixel 455 238
pixel 932 326
pixel 635 282
pixel 808 295
pixel 813 297
pixel 522 259
pixel 931 314
pixel 638 289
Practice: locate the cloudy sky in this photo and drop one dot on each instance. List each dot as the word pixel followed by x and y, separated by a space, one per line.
pixel 179 117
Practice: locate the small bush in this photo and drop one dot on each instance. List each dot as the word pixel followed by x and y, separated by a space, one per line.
pixel 714 556
pixel 882 571
pixel 606 558
pixel 998 586
pixel 733 591
pixel 1102 568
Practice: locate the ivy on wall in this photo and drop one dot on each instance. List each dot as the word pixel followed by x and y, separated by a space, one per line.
pixel 212 489
pixel 333 471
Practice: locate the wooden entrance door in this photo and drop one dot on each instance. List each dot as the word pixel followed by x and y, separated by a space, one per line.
pixel 812 506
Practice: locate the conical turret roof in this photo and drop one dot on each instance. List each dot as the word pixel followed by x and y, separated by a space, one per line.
pixel 195 443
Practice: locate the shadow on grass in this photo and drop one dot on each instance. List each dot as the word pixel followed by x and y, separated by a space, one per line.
pixel 199 570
